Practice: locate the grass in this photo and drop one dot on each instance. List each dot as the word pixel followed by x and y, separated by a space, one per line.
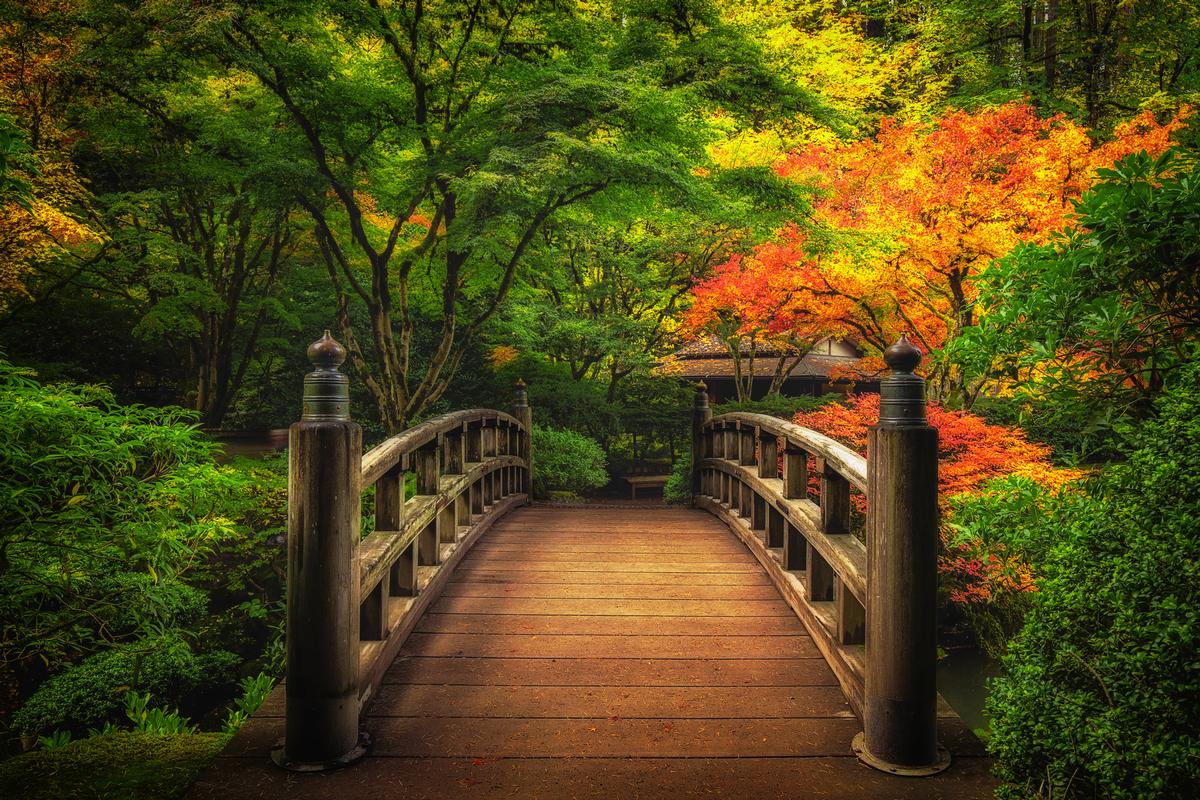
pixel 112 766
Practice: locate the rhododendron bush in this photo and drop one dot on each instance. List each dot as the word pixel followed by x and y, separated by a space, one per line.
pixel 985 472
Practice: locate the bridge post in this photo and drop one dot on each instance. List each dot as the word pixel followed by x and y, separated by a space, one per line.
pixel 701 414
pixel 524 413
pixel 324 487
pixel 900 697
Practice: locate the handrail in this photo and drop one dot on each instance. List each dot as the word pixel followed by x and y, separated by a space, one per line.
pixel 388 453
pixel 869 604
pixel 819 566
pixel 352 601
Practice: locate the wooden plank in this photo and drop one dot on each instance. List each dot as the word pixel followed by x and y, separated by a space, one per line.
pixel 525 646
pixel 542 625
pixel 624 702
pixel 486 571
pixel 536 555
pixel 600 591
pixel 504 671
pixel 606 607
pixel 838 778
pixel 500 565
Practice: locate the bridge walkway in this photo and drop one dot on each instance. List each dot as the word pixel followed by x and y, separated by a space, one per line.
pixel 602 653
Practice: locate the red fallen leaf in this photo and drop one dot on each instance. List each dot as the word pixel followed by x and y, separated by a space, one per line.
pixel 668 727
pixel 479 762
pixel 467 783
pixel 614 718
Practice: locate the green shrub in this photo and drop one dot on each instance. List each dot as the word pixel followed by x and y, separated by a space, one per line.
pixel 566 461
pixel 679 485
pixel 1101 687
pixel 777 405
pixel 104 509
pixel 113 766
pixel 92 692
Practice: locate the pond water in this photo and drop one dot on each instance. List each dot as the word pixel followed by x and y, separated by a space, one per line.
pixel 249 444
pixel 962 679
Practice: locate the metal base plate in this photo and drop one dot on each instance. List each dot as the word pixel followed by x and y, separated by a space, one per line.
pixel 346 759
pixel 860 749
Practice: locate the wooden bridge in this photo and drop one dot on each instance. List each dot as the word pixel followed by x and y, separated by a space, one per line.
pixel 472 645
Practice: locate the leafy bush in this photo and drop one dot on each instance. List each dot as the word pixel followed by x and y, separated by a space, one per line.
pixel 679 485
pixel 104 509
pixel 92 692
pixel 1101 687
pixel 566 461
pixel 113 766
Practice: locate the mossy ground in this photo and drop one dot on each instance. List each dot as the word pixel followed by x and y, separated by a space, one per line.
pixel 114 766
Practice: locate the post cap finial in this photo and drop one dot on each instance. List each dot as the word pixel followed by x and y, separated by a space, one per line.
pixel 903 356
pixel 326 391
pixel 326 352
pixel 701 386
pixel 521 383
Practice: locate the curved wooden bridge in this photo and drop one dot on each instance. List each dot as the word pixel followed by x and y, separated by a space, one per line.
pixel 474 646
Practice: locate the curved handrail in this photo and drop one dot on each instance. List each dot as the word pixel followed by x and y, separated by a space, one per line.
pixel 388 453
pixel 848 463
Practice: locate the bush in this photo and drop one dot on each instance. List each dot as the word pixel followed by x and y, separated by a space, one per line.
pixel 679 485
pixel 114 766
pixel 565 461
pixel 1101 687
pixel 104 509
pixel 93 691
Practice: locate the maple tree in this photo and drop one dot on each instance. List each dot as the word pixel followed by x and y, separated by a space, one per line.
pixel 922 208
pixel 756 307
pixel 977 570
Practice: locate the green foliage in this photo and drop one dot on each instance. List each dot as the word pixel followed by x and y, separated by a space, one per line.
pixel 679 485
pixel 152 719
pixel 777 405
pixel 1089 328
pixel 114 766
pixel 254 691
pixel 93 692
pixel 1101 686
pixel 53 740
pixel 566 461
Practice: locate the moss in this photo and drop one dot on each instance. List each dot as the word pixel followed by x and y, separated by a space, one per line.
pixel 113 766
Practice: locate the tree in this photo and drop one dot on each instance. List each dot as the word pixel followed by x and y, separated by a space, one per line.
pixel 921 209
pixel 434 143
pixel 1100 319
pixel 758 308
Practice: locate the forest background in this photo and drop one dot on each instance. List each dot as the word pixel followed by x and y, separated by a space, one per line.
pixel 468 192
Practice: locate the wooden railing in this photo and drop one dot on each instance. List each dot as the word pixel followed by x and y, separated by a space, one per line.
pixel 823 568
pixel 353 600
pixel 868 597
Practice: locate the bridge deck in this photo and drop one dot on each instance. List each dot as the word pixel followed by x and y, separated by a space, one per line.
pixel 603 653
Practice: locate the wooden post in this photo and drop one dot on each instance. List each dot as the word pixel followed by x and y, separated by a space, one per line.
pixel 795 472
pixel 900 697
pixel 701 414
pixel 524 414
pixel 324 488
pixel 768 455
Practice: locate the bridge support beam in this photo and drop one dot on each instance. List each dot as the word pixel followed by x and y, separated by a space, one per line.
pixel 900 697
pixel 324 484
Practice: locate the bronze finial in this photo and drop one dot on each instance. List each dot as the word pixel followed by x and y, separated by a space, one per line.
pixel 326 391
pixel 902 394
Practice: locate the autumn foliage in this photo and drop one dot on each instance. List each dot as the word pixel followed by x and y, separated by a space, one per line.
pixel 922 208
pixel 971 453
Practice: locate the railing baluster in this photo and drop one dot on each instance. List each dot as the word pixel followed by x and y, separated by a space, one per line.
pixel 835 499
pixel 795 473
pixel 774 527
pixel 795 548
pixel 821 576
pixel 389 500
pixel 768 461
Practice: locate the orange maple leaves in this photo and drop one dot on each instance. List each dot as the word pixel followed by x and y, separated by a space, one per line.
pixel 921 208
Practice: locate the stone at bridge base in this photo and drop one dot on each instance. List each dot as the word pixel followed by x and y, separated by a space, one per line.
pixel 346 759
pixel 859 745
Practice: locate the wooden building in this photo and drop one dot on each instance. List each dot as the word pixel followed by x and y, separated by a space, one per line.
pixel 820 371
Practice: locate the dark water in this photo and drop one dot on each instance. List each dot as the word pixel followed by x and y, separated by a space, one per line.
pixel 250 444
pixel 962 679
